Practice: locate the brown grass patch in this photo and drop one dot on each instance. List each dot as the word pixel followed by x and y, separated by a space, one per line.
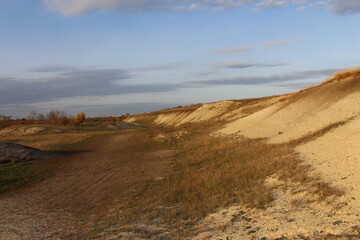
pixel 340 75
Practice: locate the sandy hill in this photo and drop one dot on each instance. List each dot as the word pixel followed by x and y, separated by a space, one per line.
pixel 217 111
pixel 277 118
pixel 328 115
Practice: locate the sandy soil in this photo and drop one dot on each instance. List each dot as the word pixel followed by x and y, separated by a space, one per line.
pixel 336 158
pixel 20 131
pixel 85 185
pixel 294 214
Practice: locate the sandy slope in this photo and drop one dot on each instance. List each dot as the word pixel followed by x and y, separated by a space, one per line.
pixel 225 110
pixel 301 113
pixel 207 112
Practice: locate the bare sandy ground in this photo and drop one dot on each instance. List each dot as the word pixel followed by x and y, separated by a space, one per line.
pixel 20 131
pixel 294 214
pixel 336 158
pixel 85 185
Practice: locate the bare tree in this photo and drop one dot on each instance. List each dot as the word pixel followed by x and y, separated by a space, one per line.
pixel 32 115
pixel 58 117
pixel 5 118
pixel 41 117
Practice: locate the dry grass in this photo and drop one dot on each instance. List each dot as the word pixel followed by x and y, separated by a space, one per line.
pixel 216 172
pixel 213 173
pixel 340 75
pixel 347 73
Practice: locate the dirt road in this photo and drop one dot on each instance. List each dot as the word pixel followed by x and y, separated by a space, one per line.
pixel 84 186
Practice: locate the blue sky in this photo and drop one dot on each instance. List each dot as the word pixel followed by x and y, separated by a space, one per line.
pixel 111 57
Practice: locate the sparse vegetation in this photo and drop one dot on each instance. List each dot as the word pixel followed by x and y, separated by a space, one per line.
pixel 58 117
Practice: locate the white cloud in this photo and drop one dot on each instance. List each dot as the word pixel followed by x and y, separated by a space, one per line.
pixel 299 2
pixel 77 7
pixel 344 6
pixel 272 4
pixel 303 8
pixel 193 6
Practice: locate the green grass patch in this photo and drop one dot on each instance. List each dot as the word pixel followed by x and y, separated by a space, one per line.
pixel 14 176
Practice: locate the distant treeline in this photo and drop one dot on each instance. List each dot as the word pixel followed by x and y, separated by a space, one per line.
pixel 56 117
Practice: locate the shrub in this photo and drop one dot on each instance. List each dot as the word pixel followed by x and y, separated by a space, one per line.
pixel 80 118
pixel 58 117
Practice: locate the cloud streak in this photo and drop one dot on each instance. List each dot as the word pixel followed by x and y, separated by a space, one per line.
pixel 265 80
pixel 53 68
pixel 231 50
pixel 95 82
pixel 241 65
pixel 162 67
pixel 108 82
pixel 248 48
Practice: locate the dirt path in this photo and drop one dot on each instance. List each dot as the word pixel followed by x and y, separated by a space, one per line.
pixel 84 186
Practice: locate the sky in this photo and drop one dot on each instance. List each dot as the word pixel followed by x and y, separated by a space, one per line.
pixel 112 57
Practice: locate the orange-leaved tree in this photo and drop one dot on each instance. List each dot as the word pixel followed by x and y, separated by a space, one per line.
pixel 79 118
